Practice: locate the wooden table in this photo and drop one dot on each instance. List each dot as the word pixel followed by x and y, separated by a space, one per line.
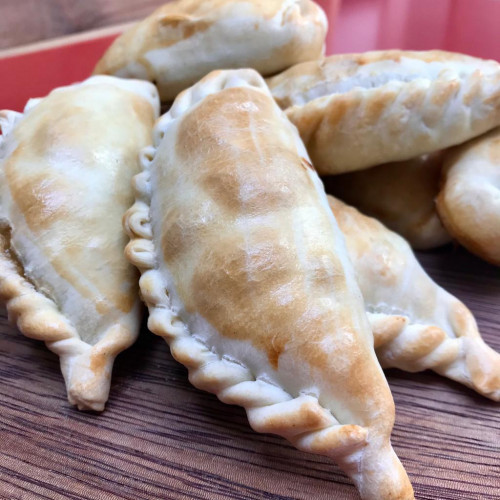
pixel 160 438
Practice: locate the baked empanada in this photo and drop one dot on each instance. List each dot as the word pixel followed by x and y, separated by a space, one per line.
pixel 417 325
pixel 401 195
pixel 185 39
pixel 66 166
pixel 246 276
pixel 355 111
pixel 469 201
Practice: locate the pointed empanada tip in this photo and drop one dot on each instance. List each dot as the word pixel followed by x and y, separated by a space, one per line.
pixel 84 404
pixel 88 388
pixel 382 476
pixel 483 365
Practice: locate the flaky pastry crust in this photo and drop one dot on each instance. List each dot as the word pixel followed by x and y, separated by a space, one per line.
pixel 185 39
pixel 66 165
pixel 417 325
pixel 246 276
pixel 469 201
pixel 355 111
pixel 400 194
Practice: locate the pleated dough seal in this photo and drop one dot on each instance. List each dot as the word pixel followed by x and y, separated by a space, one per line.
pixel 469 201
pixel 401 195
pixel 66 166
pixel 246 276
pixel 184 40
pixel 355 111
pixel 417 325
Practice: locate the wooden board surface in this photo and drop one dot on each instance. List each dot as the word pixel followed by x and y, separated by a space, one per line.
pixel 160 438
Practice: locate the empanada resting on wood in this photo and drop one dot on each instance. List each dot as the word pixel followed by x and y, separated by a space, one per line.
pixel 400 194
pixel 355 111
pixel 416 324
pixel 66 166
pixel 185 39
pixel 469 201
pixel 246 276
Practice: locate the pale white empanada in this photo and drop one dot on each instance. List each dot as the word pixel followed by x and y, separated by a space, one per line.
pixel 185 39
pixel 400 194
pixel 417 325
pixel 246 276
pixel 66 166
pixel 469 201
pixel 355 111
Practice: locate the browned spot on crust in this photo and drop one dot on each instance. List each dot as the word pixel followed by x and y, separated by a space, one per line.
pixel 183 27
pixel 338 110
pixel 342 439
pixel 98 362
pixel 307 164
pixel 308 416
pixel 462 321
pixel 236 128
pixel 444 91
pixel 376 107
pixel 387 330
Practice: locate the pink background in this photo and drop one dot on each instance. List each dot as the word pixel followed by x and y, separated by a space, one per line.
pixel 469 26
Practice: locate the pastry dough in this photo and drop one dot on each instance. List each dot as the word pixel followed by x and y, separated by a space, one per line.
pixel 185 39
pixel 400 194
pixel 469 202
pixel 355 111
pixel 246 276
pixel 417 325
pixel 66 166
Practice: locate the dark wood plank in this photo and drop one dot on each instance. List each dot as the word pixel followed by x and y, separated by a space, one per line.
pixel 28 21
pixel 161 438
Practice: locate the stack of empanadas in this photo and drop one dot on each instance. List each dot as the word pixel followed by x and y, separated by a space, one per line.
pixel 273 295
pixel 401 109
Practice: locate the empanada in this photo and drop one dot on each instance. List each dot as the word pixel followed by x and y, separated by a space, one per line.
pixel 469 201
pixel 185 39
pixel 66 166
pixel 417 325
pixel 246 276
pixel 355 111
pixel 400 194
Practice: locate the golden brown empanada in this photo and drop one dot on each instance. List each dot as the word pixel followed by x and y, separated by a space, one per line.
pixel 355 111
pixel 66 166
pixel 400 194
pixel 469 201
pixel 185 39
pixel 417 325
pixel 246 276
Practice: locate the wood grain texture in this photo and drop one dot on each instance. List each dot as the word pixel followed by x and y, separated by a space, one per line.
pixel 28 21
pixel 162 438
